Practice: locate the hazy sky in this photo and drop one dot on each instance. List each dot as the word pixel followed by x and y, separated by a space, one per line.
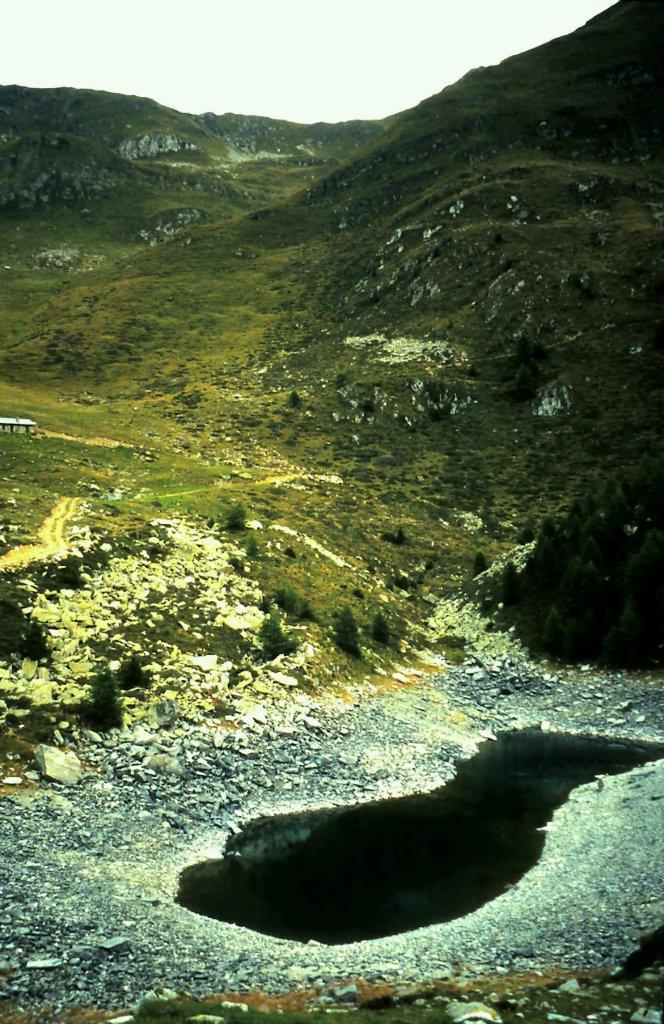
pixel 304 60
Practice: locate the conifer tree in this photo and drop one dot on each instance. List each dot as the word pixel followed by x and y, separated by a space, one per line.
pixel 623 644
pixel 345 633
pixel 104 708
pixel 274 639
pixel 510 587
pixel 645 569
pixel 553 634
pixel 380 630
pixel 236 517
pixel 33 642
pixel 524 384
pixel 132 675
pixel 480 564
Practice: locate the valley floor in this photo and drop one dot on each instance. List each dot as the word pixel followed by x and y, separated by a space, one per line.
pixel 99 861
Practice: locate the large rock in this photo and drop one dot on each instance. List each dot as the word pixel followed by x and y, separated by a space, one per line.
pixel 29 668
pixel 205 661
pixel 459 1013
pixel 552 399
pixel 116 944
pixel 346 994
pixel 644 1016
pixel 164 713
pixel 41 693
pixel 58 765
pixel 154 998
pixel 163 764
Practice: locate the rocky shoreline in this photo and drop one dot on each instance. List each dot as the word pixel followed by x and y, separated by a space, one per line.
pixel 88 872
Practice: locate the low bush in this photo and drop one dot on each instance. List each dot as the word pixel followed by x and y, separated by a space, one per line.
pixel 397 537
pixel 70 573
pixel 291 601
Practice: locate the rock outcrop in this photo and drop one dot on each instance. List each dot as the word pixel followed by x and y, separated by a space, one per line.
pixel 170 224
pixel 152 144
pixel 552 399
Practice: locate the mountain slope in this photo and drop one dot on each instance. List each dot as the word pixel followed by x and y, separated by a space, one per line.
pixel 462 321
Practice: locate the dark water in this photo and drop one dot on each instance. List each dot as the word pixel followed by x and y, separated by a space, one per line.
pixel 386 867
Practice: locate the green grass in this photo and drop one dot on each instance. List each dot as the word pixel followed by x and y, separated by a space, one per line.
pixel 514 999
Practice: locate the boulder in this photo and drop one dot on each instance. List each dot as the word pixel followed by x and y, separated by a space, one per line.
pixel 154 998
pixel 29 668
pixel 116 944
pixel 140 736
pixel 459 1013
pixel 571 986
pixel 283 679
pixel 205 661
pixel 345 994
pixel 41 693
pixel 164 713
pixel 644 1016
pixel 58 765
pixel 164 764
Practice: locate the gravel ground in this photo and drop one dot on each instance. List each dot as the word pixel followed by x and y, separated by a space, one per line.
pixel 88 872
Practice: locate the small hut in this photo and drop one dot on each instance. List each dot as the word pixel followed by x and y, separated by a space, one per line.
pixel 16 425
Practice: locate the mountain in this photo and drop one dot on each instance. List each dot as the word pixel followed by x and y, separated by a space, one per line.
pixel 141 129
pixel 87 177
pixel 460 321
pixel 150 171
pixel 327 424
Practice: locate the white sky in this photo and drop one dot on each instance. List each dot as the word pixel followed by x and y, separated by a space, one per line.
pixel 304 60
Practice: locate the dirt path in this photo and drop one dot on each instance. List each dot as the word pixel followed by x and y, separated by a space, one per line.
pixel 266 481
pixel 51 536
pixel 98 442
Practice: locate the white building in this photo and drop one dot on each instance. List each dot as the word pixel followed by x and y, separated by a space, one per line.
pixel 16 425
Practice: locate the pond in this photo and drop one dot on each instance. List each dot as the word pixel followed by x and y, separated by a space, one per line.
pixel 374 869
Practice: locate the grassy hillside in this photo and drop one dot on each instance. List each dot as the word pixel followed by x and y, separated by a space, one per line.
pixel 460 323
